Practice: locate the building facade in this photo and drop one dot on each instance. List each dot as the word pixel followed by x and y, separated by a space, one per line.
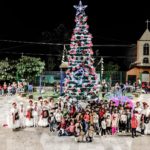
pixel 140 69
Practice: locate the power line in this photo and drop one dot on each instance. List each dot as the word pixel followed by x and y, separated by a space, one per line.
pixel 56 55
pixel 61 44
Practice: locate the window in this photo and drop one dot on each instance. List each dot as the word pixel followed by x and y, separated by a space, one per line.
pixel 146 60
pixel 146 49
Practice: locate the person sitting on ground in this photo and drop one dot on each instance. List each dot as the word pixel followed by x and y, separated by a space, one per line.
pixel 71 129
pixel 62 127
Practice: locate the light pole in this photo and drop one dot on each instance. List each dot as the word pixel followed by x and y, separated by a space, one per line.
pixel 102 67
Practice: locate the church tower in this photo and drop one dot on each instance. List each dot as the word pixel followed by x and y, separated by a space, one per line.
pixel 143 49
pixel 141 67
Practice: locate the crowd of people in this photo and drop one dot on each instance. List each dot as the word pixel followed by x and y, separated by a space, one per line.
pixel 13 88
pixel 100 117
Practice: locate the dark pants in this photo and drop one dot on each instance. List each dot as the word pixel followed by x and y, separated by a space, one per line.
pixel 108 130
pixel 122 126
pixel 142 131
pixel 133 132
pixel 89 139
pixel 103 132
pixel 128 128
pixel 51 127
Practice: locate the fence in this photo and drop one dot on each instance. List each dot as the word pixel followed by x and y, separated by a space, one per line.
pixel 52 77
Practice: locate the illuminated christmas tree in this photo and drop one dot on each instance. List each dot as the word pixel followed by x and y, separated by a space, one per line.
pixel 81 82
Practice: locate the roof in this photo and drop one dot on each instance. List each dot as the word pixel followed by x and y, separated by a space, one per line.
pixel 145 36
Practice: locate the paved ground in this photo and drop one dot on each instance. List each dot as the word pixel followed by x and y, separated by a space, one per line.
pixel 41 139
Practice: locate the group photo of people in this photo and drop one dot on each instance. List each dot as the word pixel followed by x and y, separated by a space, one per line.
pixel 98 117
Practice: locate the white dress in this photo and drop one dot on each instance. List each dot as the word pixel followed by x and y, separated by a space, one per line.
pixel 146 112
pixel 29 117
pixel 35 116
pixel 138 116
pixel 13 119
pixel 43 120
pixel 22 116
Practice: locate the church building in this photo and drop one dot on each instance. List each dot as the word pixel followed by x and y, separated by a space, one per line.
pixel 140 69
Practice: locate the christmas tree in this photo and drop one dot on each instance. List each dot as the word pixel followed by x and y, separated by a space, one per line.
pixel 81 82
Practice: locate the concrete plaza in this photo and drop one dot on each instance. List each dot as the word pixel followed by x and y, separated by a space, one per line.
pixel 42 139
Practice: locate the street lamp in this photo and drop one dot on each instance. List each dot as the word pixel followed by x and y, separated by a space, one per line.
pixel 102 67
pixel 63 67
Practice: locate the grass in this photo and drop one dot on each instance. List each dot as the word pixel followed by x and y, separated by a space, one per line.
pixel 44 95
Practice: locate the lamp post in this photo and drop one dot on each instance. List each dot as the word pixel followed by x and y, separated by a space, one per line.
pixel 102 67
pixel 63 67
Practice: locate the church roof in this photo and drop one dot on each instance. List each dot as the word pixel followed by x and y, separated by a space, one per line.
pixel 145 36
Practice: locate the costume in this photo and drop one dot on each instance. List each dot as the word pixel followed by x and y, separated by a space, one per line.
pixel 43 121
pixel 29 116
pixel 146 113
pixel 35 115
pixel 13 119
pixel 22 116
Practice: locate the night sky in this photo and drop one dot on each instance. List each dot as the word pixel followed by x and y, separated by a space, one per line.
pixel 111 22
pixel 116 20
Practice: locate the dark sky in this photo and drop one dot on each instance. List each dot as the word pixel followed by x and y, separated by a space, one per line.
pixel 122 20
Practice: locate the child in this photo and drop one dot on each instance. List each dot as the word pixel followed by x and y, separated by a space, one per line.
pixel 103 125
pixel 22 115
pixel 134 125
pixel 29 117
pixel 71 129
pixel 51 121
pixel 35 114
pixel 108 125
pixel 80 135
pixel 62 127
pixel 14 122
pixel 142 125
pixel 90 134
pixel 114 125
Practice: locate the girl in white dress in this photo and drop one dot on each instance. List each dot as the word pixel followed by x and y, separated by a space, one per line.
pixel 13 120
pixel 22 115
pixel 43 121
pixel 29 115
pixel 35 114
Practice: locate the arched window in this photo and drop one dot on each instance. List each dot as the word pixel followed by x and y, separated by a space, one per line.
pixel 145 60
pixel 146 49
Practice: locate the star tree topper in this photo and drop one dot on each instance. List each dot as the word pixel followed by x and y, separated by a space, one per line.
pixel 80 8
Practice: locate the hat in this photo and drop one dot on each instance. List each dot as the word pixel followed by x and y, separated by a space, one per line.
pixel 35 102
